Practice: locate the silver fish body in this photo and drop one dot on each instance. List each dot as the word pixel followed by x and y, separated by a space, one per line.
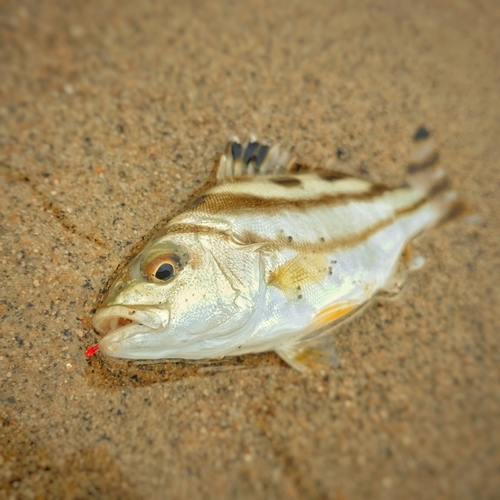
pixel 266 258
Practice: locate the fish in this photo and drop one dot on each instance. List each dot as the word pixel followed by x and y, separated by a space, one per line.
pixel 269 256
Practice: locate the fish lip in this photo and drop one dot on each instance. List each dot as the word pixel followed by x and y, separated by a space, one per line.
pixel 110 319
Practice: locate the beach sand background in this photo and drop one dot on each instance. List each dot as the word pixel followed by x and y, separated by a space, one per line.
pixel 111 114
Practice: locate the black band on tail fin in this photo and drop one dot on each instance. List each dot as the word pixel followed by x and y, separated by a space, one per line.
pixel 424 154
pixel 426 175
pixel 422 172
pixel 420 134
pixel 455 210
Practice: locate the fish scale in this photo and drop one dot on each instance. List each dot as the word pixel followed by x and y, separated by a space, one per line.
pixel 268 258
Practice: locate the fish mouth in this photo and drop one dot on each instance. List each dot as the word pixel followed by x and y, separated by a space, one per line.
pixel 113 323
pixel 124 327
pixel 112 318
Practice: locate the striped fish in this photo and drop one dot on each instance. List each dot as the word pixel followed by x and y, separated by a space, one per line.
pixel 267 257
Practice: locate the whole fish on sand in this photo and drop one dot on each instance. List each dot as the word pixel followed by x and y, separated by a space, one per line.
pixel 268 257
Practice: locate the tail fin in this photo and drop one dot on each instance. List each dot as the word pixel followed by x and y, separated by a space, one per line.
pixel 425 175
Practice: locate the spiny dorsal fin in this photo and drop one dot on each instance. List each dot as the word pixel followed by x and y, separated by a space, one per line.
pixel 252 158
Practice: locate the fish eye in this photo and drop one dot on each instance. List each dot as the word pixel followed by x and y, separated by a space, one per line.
pixel 164 272
pixel 162 269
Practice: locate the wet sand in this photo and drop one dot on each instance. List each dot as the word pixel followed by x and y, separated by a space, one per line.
pixel 111 114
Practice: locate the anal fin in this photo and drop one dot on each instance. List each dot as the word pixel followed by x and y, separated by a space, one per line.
pixel 291 276
pixel 311 356
pixel 315 350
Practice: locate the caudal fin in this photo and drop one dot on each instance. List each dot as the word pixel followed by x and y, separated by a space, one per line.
pixel 426 175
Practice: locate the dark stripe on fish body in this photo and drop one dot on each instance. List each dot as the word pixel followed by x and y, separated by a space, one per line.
pixel 286 181
pixel 353 239
pixel 225 202
pixel 331 176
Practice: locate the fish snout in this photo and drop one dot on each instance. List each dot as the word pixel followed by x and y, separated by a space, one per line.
pixel 126 329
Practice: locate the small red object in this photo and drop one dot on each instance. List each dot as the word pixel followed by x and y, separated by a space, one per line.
pixel 91 350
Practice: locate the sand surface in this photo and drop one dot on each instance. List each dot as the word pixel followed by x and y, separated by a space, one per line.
pixel 111 113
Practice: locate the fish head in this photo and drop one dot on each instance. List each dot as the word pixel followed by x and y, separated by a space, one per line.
pixel 184 296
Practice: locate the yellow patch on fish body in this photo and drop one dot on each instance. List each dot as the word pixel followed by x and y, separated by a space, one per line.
pixel 266 258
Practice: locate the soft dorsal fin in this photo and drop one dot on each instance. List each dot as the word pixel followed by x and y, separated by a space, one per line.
pixel 252 158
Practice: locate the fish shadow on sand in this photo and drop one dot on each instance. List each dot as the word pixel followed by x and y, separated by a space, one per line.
pixel 103 372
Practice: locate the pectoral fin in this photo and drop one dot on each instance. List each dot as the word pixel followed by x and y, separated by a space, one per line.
pixel 291 276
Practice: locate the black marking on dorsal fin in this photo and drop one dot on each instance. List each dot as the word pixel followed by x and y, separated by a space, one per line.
pixel 250 152
pixel 236 150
